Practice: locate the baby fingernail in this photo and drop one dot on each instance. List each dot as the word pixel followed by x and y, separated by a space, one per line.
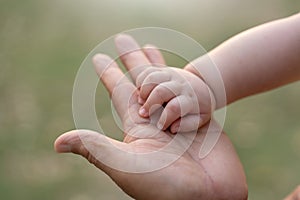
pixel 143 112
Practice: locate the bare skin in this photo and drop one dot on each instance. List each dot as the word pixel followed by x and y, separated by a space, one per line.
pixel 254 61
pixel 257 60
pixel 184 93
pixel 295 195
pixel 219 175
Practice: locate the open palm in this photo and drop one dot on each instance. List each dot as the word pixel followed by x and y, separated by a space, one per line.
pixel 149 163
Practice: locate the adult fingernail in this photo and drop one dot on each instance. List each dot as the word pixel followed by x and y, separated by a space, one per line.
pixel 143 112
pixel 63 148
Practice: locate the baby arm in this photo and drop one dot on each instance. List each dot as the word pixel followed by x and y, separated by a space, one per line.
pixel 257 60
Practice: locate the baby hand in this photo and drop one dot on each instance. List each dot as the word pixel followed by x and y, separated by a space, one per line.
pixel 188 100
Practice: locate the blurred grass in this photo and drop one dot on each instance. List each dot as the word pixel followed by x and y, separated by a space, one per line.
pixel 42 44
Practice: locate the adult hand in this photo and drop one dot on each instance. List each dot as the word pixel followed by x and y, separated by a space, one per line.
pixel 217 176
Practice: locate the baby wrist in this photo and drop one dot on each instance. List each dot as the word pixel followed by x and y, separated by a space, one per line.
pixel 207 70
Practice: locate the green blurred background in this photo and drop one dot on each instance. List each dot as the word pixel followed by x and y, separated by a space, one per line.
pixel 42 44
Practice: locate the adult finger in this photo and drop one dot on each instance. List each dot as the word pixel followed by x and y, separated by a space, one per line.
pixel 175 108
pixel 156 59
pixel 154 55
pixel 121 90
pixel 131 55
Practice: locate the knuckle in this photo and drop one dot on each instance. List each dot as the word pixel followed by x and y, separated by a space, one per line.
pixel 159 92
pixel 190 94
pixel 139 80
pixel 143 89
pixel 145 73
pixel 174 108
pixel 144 93
pixel 150 69
pixel 150 78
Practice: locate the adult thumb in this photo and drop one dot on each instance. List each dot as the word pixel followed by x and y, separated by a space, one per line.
pixel 89 144
pixel 110 155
